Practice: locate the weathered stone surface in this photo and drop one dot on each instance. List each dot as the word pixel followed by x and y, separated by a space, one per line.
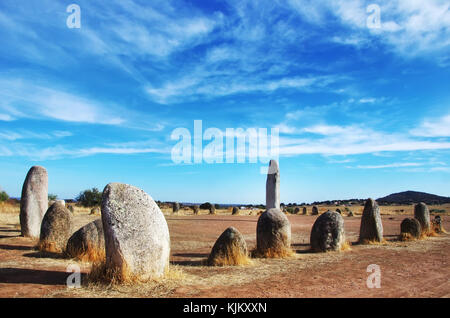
pixel 273 186
pixel 304 211
pixel 175 207
pixel 339 211
pixel 89 237
pixel 34 201
pixel 212 209
pixel 56 228
pixel 315 210
pixel 54 201
pixel 371 228
pixel 422 214
pixel 195 208
pixel 297 210
pixel 229 249
pixel 235 210
pixel 410 227
pixel 328 233
pixel 136 233
pixel 273 232
pixel 71 208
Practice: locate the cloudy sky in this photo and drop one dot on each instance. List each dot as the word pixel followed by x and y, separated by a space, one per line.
pixel 362 111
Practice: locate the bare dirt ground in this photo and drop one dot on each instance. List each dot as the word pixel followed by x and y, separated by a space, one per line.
pixel 408 269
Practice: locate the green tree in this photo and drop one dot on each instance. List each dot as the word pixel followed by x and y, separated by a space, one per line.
pixel 52 197
pixel 3 196
pixel 205 206
pixel 90 198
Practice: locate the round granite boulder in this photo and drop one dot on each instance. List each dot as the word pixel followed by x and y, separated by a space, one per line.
pixel 137 241
pixel 88 243
pixel 273 234
pixel 328 233
pixel 229 249
pixel 56 228
pixel 410 229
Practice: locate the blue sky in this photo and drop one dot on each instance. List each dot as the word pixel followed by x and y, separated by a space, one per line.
pixel 362 112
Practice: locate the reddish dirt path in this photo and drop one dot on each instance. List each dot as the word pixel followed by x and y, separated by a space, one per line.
pixel 413 269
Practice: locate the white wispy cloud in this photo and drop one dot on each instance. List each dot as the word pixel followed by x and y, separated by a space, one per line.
pixel 25 134
pixel 29 100
pixel 390 165
pixel 352 140
pixel 61 151
pixel 438 127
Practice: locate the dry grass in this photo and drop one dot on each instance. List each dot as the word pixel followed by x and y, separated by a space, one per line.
pixel 404 237
pixel 346 246
pixel 233 257
pixel 374 242
pixel 285 252
pixel 48 247
pixel 123 276
pixel 91 254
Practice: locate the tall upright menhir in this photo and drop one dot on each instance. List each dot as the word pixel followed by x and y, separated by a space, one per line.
pixel 273 186
pixel 34 201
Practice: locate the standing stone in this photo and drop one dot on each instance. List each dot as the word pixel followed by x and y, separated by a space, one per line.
pixel 328 233
pixel 137 241
pixel 88 240
pixel 304 211
pixel 371 228
pixel 229 249
pixel 437 224
pixel 195 208
pixel 315 210
pixel 410 228
pixel 297 210
pixel 422 214
pixel 350 213
pixel 212 209
pixel 34 201
pixel 175 207
pixel 56 229
pixel 339 211
pixel 235 210
pixel 273 186
pixel 273 234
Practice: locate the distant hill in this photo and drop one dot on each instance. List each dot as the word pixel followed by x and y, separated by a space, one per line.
pixel 409 197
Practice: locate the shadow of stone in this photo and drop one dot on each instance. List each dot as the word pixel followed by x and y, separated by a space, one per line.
pixel 40 254
pixel 201 262
pixel 194 255
pixel 9 236
pixel 300 244
pixel 33 276
pixel 16 247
